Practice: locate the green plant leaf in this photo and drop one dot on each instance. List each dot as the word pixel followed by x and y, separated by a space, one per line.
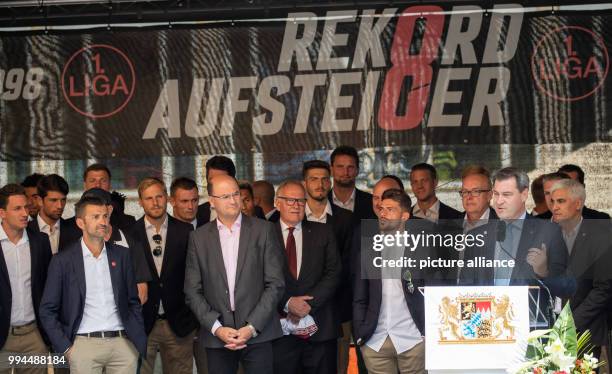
pixel 565 329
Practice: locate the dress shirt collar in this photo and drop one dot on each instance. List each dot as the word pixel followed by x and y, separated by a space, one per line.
pixel 285 227
pixel 434 208
pixel 42 225
pixel 87 252
pixel 328 210
pixel 348 202
pixel 150 226
pixel 3 236
pixel 235 225
pixel 270 213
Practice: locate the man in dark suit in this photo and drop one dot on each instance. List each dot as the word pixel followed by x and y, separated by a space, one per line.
pixel 589 243
pixel 216 165
pixel 476 196
pixel 536 246
pixel 317 182
pixel 263 196
pixel 423 181
pixel 388 309
pixel 52 193
pixel 24 259
pixel 312 273
pixel 90 308
pixel 576 173
pixel 233 284
pixel 344 162
pixel 184 198
pixel 168 321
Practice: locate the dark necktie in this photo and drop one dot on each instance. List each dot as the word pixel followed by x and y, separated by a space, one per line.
pixel 291 252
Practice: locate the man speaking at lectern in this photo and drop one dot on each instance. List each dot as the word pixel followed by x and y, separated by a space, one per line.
pixel 535 245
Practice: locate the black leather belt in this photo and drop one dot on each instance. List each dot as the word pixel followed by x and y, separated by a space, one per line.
pixel 161 316
pixel 105 334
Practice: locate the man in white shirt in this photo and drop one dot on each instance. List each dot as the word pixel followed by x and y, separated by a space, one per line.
pixel 52 193
pixel 388 310
pixel 423 181
pixel 90 307
pixel 24 258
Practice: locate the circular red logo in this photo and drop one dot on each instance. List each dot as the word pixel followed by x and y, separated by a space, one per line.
pixel 98 81
pixel 570 63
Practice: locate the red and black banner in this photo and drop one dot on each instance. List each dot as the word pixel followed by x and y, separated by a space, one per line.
pixel 426 74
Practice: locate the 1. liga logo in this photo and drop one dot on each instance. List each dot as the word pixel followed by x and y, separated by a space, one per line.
pixel 98 81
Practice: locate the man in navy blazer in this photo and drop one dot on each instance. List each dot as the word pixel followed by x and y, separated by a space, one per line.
pixel 90 308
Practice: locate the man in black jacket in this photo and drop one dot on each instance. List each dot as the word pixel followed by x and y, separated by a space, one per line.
pixel 388 309
pixel 344 162
pixel 52 193
pixel 312 273
pixel 588 242
pixel 317 182
pixel 24 258
pixel 424 181
pixel 169 323
pixel 216 165
pixel 576 173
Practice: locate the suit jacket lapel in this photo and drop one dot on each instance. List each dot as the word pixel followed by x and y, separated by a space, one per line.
pixel 170 233
pixel 306 232
pixel 79 269
pixel 4 275
pixel 115 276
pixel 142 233
pixel 527 235
pixel 215 243
pixel 245 237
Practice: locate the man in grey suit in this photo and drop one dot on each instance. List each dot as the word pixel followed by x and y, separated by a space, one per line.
pixel 233 283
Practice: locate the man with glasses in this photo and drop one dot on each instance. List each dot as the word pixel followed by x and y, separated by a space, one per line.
pixel 312 274
pixel 234 283
pixel 475 196
pixel 169 323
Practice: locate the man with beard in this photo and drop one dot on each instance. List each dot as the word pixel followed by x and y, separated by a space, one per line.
pixel 317 182
pixel 344 169
pixel 169 323
pixel 388 309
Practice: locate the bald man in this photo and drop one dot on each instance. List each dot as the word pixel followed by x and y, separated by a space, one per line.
pixel 233 283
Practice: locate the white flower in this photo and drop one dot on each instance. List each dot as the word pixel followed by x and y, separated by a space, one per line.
pixel 590 359
pixel 556 350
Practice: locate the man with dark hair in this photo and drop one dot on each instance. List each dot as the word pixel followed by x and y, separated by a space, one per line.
pixel 388 309
pixel 263 196
pixel 119 237
pixel 184 198
pixel 29 184
pixel 344 162
pixel 247 201
pixel 90 307
pixel 536 246
pixel 233 284
pixel 52 192
pixel 537 194
pixel 169 323
pixel 576 173
pixel 216 165
pixel 423 181
pixel 24 259
pixel 99 176
pixel 317 183
pixel 548 180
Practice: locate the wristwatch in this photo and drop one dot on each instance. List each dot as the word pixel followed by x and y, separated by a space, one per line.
pixel 253 330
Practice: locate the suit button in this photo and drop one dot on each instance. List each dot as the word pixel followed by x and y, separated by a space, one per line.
pixel 161 285
pixel 226 291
